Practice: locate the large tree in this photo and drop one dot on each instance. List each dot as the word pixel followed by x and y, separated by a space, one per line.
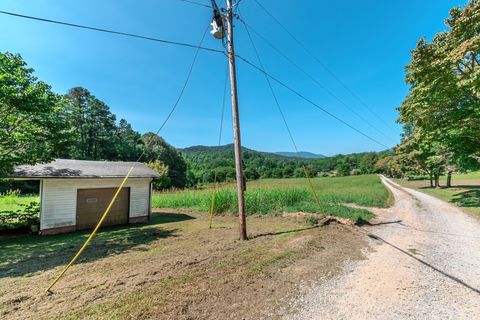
pixel 129 144
pixel 31 116
pixel 93 126
pixel 157 149
pixel 443 104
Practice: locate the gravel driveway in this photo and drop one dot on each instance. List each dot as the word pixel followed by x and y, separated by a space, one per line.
pixel 424 264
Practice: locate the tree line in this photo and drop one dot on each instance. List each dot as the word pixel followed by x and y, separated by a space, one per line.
pixel 441 113
pixel 38 125
pixel 209 164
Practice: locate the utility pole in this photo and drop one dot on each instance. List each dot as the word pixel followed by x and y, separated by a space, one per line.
pixel 236 126
pixel 218 31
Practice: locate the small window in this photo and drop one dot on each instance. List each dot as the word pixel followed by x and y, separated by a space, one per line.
pixel 92 200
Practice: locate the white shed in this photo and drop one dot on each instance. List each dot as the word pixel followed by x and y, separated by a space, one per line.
pixel 75 193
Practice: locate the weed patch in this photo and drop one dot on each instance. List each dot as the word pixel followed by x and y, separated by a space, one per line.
pixel 276 196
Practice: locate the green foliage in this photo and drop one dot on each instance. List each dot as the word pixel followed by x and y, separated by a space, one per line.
pixel 31 116
pixel 164 182
pixel 26 217
pixel 159 150
pixel 12 201
pixel 441 112
pixel 94 132
pixel 209 163
pixel 275 196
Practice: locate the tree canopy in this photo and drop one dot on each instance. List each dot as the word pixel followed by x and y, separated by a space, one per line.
pixel 37 125
pixel 32 123
pixel 441 113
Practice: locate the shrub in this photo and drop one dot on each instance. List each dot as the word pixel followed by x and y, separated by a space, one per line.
pixel 25 217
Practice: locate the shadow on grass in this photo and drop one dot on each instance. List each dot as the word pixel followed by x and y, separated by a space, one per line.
pixel 168 217
pixel 469 198
pixel 23 255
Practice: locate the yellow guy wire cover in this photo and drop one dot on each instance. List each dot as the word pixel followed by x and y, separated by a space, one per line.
pixel 93 232
pixel 311 187
pixel 212 206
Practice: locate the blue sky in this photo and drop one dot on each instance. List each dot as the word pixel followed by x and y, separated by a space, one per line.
pixel 365 43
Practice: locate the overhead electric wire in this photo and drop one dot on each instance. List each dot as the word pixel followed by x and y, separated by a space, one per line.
pixel 197 3
pixel 307 175
pixel 324 66
pixel 126 34
pixel 147 145
pixel 223 107
pixel 271 90
pixel 215 184
pixel 310 101
pixel 318 83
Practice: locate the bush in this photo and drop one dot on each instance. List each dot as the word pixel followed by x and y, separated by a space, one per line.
pixel 25 217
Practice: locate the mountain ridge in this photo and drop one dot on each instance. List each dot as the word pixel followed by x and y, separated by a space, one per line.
pixel 229 147
pixel 301 154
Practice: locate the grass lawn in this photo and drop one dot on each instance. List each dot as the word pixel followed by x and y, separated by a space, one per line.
pixel 275 196
pixel 465 190
pixel 9 202
pixel 173 267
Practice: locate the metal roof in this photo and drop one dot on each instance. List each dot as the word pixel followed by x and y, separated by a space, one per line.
pixel 63 168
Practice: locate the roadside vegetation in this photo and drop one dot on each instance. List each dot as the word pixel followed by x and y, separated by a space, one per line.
pixel 441 113
pixel 277 196
pixel 465 192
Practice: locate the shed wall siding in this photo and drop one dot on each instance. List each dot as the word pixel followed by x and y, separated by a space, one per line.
pixel 59 198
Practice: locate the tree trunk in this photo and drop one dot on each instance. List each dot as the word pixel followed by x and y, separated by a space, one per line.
pixel 431 179
pixel 437 181
pixel 449 178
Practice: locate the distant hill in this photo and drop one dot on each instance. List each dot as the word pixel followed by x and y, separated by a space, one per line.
pixel 229 148
pixel 301 154
pixel 226 147
pixel 207 164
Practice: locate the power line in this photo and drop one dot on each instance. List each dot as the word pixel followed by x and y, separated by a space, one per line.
pixel 318 83
pixel 180 95
pixel 223 107
pixel 310 101
pixel 124 180
pixel 307 175
pixel 215 184
pixel 324 66
pixel 272 91
pixel 197 3
pixel 126 34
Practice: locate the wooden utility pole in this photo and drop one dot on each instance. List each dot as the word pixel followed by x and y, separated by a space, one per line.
pixel 236 125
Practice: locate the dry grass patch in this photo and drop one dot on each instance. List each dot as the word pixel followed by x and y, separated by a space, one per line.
pixel 190 272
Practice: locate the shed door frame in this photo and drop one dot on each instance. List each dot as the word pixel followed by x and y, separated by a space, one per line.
pixel 128 190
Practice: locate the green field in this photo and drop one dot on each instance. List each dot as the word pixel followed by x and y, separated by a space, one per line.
pixel 13 202
pixel 465 190
pixel 276 196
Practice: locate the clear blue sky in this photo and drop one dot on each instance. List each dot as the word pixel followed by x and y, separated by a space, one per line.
pixel 366 43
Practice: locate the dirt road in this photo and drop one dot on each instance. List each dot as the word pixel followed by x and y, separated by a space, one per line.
pixel 425 264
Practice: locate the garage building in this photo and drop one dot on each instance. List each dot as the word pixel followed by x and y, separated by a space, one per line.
pixel 75 193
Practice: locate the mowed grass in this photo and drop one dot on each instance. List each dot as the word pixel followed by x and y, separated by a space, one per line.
pixel 276 196
pixel 465 190
pixel 15 202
